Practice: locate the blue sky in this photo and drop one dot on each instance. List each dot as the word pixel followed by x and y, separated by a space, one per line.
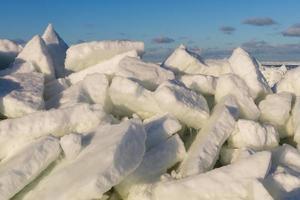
pixel 268 29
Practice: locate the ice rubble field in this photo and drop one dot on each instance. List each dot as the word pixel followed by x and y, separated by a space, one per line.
pixel 94 121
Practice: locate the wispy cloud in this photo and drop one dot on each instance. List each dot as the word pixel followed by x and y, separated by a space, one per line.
pixel 228 30
pixel 162 40
pixel 293 31
pixel 259 21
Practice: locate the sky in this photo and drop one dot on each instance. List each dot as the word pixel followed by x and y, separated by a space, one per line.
pixel 268 29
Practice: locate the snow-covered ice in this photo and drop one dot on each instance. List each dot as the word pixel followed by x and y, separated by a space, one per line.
pixel 184 61
pixel 243 65
pixel 205 149
pixel 130 97
pixel 92 89
pixel 235 86
pixel 111 153
pixel 97 121
pixel 80 118
pixel 251 134
pixel 275 109
pixel 81 56
pixel 21 94
pixel 290 82
pixel 71 145
pixel 37 53
pixel 26 164
pixel 155 163
pixel 187 106
pixel 57 49
pixel 159 128
pixel 200 83
pixel 229 182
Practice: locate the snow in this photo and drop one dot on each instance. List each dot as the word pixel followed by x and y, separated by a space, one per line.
pixel 283 184
pixel 21 94
pixel 290 82
pixel 155 163
pixel 183 61
pixel 148 75
pixel 296 119
pixel 231 84
pixel 243 65
pixel 112 153
pixel 81 56
pixel 129 97
pixel 229 182
pixel 187 106
pixel 92 89
pixel 36 52
pixel 71 145
pixel 275 109
pixel 230 155
pixel 20 67
pixel 57 49
pixel 205 149
pixel 202 84
pixel 80 118
pixel 8 51
pixel 26 164
pixel 54 87
pixel 159 128
pixel 274 74
pixel 250 134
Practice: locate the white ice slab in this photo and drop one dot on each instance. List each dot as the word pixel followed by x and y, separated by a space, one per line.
pixel 184 61
pixel 155 163
pixel 274 74
pixel 57 49
pixel 37 53
pixel 283 184
pixel 290 82
pixel 187 106
pixel 111 154
pixel 204 151
pixel 108 67
pixel 287 156
pixel 235 86
pixel 81 56
pixel 275 109
pixel 243 65
pixel 159 128
pixel 81 118
pixel 92 89
pixel 229 182
pixel 149 75
pixel 21 94
pixel 71 145
pixel 200 83
pixel 231 155
pixel 251 134
pixel 129 97
pixel 26 164
pixel 55 87
pixel 296 119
